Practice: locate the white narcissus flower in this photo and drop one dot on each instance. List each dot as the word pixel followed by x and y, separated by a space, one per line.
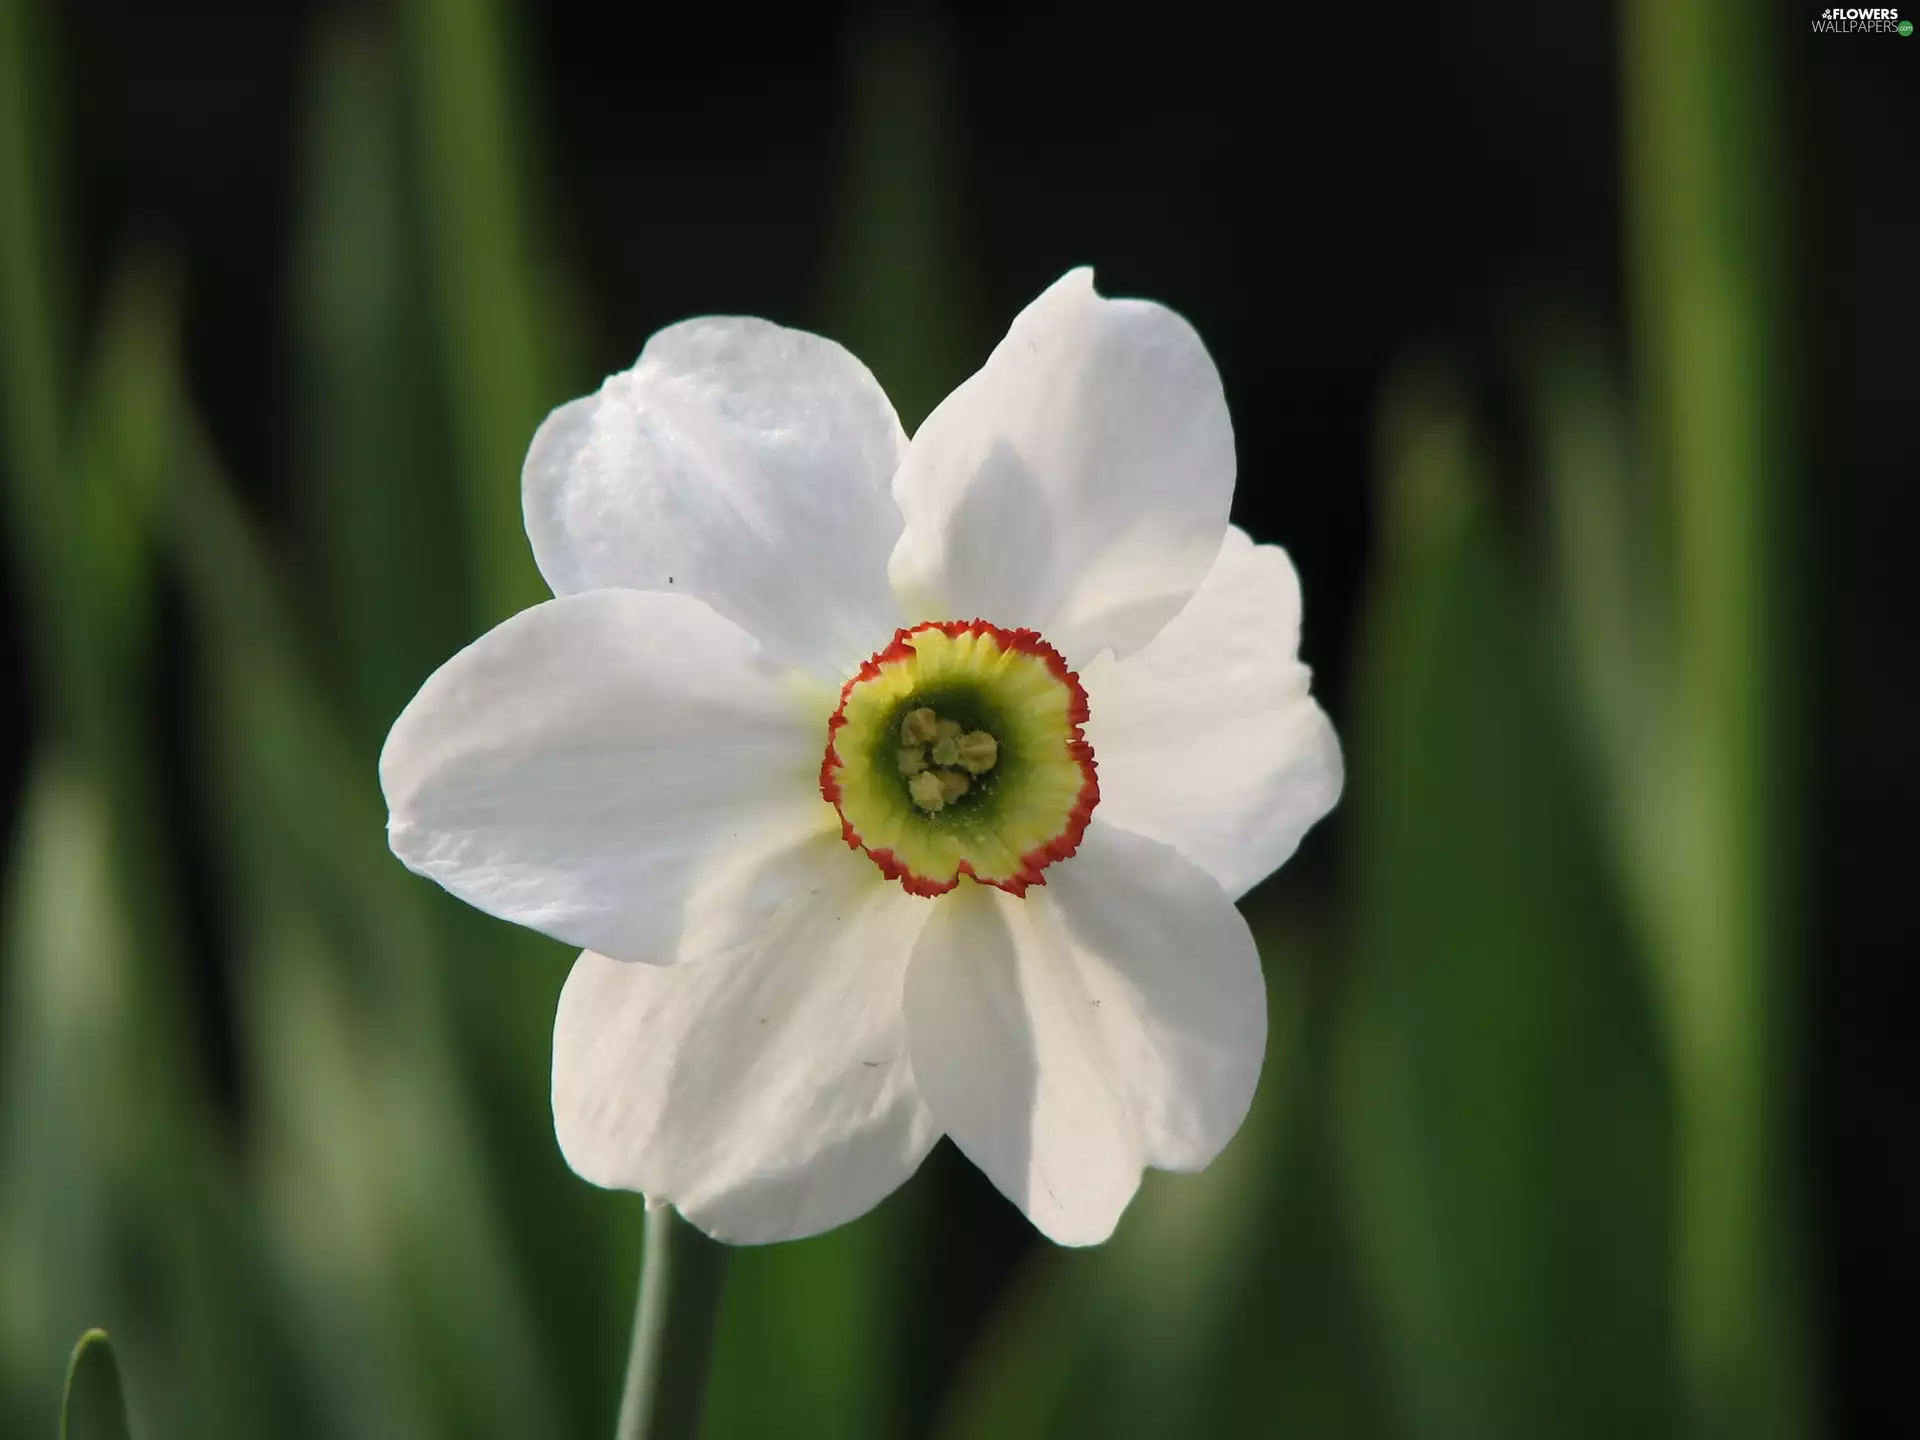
pixel 800 757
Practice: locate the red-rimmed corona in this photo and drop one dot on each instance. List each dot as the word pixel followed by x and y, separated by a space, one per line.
pixel 958 750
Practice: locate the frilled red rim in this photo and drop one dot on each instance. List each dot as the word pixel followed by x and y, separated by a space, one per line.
pixel 1033 861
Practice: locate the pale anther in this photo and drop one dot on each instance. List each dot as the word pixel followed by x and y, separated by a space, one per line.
pixel 919 727
pixel 913 759
pixel 952 785
pixel 927 790
pixel 976 752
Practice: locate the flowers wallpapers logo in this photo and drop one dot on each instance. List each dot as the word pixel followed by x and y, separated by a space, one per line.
pixel 1855 20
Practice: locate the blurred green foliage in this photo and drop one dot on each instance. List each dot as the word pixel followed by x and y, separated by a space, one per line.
pixel 1507 1171
pixel 1506 1113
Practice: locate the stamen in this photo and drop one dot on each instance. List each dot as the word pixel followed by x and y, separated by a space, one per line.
pixel 928 790
pixel 919 727
pixel 976 751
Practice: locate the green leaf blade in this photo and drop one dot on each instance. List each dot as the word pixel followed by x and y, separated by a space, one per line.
pixel 94 1407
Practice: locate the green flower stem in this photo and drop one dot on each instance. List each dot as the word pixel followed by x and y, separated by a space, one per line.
pixel 680 1275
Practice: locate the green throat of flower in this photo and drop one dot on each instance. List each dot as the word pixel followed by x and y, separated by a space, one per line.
pixel 957 750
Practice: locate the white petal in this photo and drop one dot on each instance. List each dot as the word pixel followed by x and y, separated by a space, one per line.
pixel 592 763
pixel 766 1094
pixel 1207 739
pixel 1114 1019
pixel 1079 483
pixel 739 462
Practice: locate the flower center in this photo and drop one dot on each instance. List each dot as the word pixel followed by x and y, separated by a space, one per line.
pixel 956 751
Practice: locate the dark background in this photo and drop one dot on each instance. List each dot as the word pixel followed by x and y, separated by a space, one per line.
pixel 1324 191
